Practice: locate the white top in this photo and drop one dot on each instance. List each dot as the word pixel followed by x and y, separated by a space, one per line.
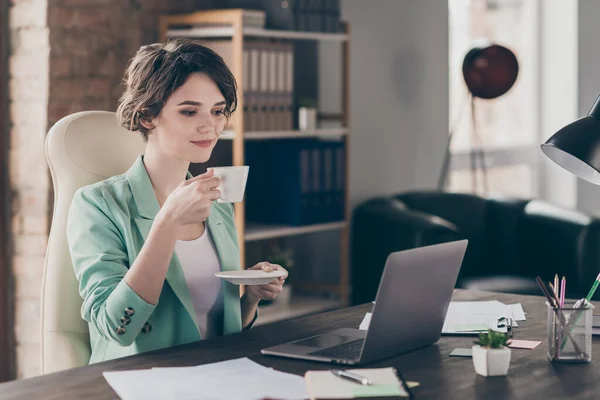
pixel 200 262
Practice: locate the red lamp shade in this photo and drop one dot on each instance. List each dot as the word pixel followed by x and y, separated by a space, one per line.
pixel 490 71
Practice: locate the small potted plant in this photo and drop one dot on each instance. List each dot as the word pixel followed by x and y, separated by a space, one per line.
pixel 491 354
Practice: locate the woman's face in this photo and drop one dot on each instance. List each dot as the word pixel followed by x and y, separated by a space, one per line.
pixel 191 120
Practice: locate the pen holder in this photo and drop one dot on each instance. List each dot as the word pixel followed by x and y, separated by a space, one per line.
pixel 570 333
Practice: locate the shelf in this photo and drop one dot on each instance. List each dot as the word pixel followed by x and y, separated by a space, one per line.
pixel 332 133
pixel 297 307
pixel 255 232
pixel 228 31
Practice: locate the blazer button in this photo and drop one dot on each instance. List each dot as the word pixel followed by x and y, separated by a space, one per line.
pixel 121 330
pixel 129 312
pixel 146 328
pixel 125 320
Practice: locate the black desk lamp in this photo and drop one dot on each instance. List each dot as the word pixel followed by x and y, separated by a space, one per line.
pixel 576 147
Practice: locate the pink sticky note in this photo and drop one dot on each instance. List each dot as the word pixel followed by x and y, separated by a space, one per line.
pixel 524 344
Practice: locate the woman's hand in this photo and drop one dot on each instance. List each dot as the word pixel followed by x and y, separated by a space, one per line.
pixel 271 290
pixel 190 202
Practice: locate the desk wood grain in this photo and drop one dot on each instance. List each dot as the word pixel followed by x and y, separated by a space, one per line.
pixel 531 375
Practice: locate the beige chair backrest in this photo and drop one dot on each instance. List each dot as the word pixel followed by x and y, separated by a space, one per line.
pixel 81 149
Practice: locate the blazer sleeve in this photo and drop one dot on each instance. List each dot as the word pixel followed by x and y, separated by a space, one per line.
pixel 100 260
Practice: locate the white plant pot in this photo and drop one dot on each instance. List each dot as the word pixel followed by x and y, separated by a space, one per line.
pixel 491 362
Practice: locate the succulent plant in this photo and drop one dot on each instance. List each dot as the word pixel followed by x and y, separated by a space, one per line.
pixel 492 339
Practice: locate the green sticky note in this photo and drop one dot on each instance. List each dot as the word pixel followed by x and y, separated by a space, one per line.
pixel 462 353
pixel 470 327
pixel 378 390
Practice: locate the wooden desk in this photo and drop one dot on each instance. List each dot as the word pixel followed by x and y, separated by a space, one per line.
pixel 530 376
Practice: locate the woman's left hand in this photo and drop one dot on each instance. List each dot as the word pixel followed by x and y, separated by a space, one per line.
pixel 270 290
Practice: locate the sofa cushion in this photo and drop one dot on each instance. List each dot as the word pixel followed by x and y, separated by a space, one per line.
pixel 503 284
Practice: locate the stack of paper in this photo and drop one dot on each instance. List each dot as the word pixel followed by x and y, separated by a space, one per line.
pixel 472 317
pixel 234 379
pixel 476 316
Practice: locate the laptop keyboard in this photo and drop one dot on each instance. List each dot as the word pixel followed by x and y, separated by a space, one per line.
pixel 347 351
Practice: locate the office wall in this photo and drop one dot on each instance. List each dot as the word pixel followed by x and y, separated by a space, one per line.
pixel 399 94
pixel 588 195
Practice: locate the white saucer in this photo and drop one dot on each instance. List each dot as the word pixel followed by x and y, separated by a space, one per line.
pixel 250 276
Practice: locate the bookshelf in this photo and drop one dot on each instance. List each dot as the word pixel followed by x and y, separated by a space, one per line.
pixel 227 31
pixel 261 232
pixel 301 306
pixel 229 25
pixel 291 134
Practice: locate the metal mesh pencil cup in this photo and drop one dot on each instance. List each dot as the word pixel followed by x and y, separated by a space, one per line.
pixel 570 333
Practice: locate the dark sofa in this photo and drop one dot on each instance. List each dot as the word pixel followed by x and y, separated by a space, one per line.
pixel 510 240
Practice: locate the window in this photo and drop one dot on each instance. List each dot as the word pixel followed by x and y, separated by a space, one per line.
pixel 506 127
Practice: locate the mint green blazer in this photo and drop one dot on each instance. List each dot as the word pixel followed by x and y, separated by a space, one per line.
pixel 107 225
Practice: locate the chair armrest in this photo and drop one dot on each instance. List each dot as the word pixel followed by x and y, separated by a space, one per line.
pixel 556 240
pixel 382 226
pixel 391 216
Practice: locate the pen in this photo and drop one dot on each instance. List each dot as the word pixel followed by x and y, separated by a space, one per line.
pixel 593 289
pixel 563 288
pixel 351 376
pixel 553 304
pixel 545 291
pixel 584 305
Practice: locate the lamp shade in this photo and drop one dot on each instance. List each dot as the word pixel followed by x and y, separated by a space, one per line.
pixel 490 71
pixel 576 147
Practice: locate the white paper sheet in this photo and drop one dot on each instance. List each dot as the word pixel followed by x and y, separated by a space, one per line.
pixel 364 325
pixel 234 379
pixel 473 313
pixel 133 385
pixel 518 313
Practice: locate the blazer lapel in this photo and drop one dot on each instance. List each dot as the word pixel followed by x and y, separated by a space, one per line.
pixel 232 320
pixel 148 207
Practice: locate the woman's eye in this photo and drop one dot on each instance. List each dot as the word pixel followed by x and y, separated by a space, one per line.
pixel 188 113
pixel 219 112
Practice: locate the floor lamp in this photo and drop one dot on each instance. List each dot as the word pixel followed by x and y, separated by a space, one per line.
pixel 489 72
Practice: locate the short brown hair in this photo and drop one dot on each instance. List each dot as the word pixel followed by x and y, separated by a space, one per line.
pixel 157 70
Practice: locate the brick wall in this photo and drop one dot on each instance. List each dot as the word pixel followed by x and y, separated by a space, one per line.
pixel 90 44
pixel 66 56
pixel 28 88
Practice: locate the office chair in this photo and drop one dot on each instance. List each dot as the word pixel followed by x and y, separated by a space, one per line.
pixel 81 149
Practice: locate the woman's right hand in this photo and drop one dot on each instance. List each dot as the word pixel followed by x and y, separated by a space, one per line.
pixel 190 202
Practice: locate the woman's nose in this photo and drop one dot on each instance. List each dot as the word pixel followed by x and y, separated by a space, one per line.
pixel 206 127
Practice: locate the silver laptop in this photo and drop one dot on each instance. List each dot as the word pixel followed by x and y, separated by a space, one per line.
pixel 413 296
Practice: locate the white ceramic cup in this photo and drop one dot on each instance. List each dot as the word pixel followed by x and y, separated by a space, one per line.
pixel 233 183
pixel 307 118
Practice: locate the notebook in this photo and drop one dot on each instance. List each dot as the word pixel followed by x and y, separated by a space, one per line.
pixel 325 385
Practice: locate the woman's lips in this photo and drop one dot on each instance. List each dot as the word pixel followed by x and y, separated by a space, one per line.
pixel 203 143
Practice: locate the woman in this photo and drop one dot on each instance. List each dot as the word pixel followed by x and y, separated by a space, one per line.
pixel 131 233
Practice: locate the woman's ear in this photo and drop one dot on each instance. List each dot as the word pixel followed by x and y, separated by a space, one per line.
pixel 147 123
